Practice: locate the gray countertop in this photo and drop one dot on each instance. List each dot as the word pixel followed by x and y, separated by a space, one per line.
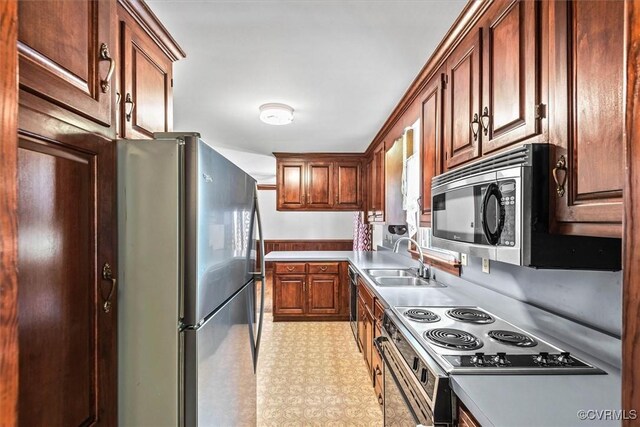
pixel 505 400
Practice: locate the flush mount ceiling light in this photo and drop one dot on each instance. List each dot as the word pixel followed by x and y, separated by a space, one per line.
pixel 276 114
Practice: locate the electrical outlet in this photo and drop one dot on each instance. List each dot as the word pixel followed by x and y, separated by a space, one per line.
pixel 463 259
pixel 485 265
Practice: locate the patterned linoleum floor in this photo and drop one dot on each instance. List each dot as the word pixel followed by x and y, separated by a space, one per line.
pixel 311 374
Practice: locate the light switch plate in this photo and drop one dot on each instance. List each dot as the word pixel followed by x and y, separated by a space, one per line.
pixel 463 259
pixel 485 265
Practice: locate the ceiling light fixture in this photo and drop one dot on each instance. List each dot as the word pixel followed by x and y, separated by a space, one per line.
pixel 276 114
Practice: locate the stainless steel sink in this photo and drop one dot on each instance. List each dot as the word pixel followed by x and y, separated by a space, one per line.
pixel 391 273
pixel 405 281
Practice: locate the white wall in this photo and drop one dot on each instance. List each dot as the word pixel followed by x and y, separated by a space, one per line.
pixel 302 225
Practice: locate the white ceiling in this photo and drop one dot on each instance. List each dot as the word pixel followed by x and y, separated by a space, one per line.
pixel 342 65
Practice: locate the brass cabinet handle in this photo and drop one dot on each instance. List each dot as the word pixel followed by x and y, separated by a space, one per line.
pixel 323 268
pixel 475 126
pixel 560 165
pixel 118 98
pixel 290 268
pixel 107 274
pixel 484 120
pixel 380 399
pixel 128 101
pixel 106 56
pixel 378 371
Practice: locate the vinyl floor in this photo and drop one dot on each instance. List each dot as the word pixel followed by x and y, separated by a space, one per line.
pixel 312 374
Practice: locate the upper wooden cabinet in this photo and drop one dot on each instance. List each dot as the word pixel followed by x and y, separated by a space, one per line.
pixel 318 182
pixel 147 54
pixel 319 185
pixel 462 114
pixel 587 115
pixel 348 184
pixel 510 73
pixel 67 55
pixel 376 184
pixel 431 120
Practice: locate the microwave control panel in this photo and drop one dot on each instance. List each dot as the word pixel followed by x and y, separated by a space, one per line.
pixel 508 201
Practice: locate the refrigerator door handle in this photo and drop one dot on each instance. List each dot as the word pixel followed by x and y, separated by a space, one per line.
pixel 260 275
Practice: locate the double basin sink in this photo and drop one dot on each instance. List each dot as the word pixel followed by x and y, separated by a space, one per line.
pixel 399 277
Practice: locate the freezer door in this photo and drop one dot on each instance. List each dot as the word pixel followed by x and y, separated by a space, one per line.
pixel 219 378
pixel 219 248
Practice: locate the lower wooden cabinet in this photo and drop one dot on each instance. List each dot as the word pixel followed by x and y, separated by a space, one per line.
pixel 369 327
pixel 465 419
pixel 310 291
pixel 324 294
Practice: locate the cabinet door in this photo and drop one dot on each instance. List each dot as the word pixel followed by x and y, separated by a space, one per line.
pixel 146 98
pixel 371 178
pixel 463 102
pixel 323 294
pixel 66 227
pixel 290 186
pixel 587 121
pixel 319 185
pixel 431 142
pixel 289 294
pixel 347 186
pixel 59 44
pixel 511 73
pixel 379 183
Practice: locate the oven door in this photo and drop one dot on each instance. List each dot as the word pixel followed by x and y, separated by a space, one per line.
pixel 404 405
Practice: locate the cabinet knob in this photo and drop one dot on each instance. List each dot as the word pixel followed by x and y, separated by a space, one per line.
pixel 380 399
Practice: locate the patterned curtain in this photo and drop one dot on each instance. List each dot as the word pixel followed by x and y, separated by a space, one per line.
pixel 361 233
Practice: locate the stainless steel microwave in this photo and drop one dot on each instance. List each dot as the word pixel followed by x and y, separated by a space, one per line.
pixel 498 208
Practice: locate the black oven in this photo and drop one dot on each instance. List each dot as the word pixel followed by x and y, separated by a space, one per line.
pixel 416 389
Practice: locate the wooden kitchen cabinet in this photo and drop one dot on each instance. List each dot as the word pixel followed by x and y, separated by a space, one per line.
pixel 146 74
pixel 465 419
pixel 291 185
pixel 70 63
pixel 67 55
pixel 376 187
pixel 319 185
pixel 317 182
pixel 348 185
pixel 462 133
pixel 324 294
pixel 289 294
pixel 510 74
pixel 310 291
pixel 431 119
pixel 587 116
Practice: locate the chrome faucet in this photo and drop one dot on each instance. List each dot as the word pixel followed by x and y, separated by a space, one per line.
pixel 423 271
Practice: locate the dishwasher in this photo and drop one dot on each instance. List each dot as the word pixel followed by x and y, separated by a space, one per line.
pixel 353 302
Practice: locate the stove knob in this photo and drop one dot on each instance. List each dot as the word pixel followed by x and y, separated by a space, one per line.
pixel 423 375
pixel 500 359
pixel 542 358
pixel 478 359
pixel 416 363
pixel 565 358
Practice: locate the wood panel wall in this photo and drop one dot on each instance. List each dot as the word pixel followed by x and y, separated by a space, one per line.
pixel 631 286
pixel 8 213
pixel 306 245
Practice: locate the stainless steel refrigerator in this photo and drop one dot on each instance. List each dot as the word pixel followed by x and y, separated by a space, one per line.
pixel 189 326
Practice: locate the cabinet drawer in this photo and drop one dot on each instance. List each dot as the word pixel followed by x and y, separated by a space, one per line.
pixel 290 267
pixel 365 294
pixel 323 268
